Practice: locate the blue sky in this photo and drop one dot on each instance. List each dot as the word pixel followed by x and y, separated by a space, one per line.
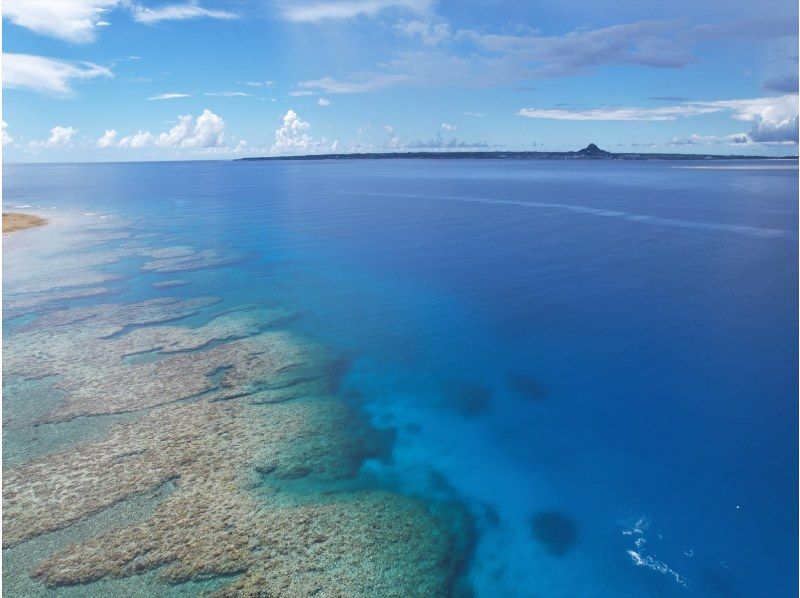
pixel 107 80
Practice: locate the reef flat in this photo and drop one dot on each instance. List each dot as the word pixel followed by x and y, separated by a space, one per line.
pixel 226 423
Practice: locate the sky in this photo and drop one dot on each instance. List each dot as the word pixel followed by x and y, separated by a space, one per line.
pixel 115 80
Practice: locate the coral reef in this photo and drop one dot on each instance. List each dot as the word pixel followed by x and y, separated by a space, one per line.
pixel 184 259
pixel 361 544
pixel 233 426
pixel 170 284
pixel 31 303
pixel 103 383
pixel 356 543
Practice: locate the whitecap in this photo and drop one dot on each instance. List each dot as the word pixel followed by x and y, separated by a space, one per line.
pixel 753 231
pixel 661 567
pixel 640 559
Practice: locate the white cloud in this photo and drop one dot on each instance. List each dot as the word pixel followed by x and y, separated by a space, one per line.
pixel 206 131
pixel 259 83
pixel 70 20
pixel 774 119
pixel 60 137
pixel 440 143
pixel 292 137
pixel 323 102
pixel 448 127
pixel 228 94
pixel 695 139
pixel 47 75
pixel 169 96
pixel 302 92
pixel 177 12
pixel 476 114
pixel 7 139
pixel 140 139
pixel 315 11
pixel 107 140
pixel 429 34
pixel 619 114
pixel 362 84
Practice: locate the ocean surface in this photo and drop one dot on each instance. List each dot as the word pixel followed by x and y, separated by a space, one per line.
pixel 597 360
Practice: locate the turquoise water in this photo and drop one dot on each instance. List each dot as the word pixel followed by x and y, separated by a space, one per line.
pixel 597 359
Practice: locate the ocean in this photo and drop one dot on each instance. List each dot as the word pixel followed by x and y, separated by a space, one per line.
pixel 594 361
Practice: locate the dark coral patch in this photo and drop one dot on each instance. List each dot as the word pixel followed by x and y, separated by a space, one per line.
pixel 556 532
pixel 527 386
pixel 467 397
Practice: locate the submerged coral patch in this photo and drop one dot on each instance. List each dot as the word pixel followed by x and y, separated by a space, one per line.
pixel 170 284
pixel 467 397
pixel 527 386
pixel 554 531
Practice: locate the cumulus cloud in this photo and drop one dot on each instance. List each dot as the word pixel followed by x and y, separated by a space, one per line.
pixel 70 20
pixel 108 138
pixel 169 96
pixel 774 119
pixel 372 138
pixel 695 139
pixel 177 12
pixel 440 143
pixel 448 127
pixel 60 137
pixel 291 134
pixel 207 131
pixel 204 132
pixel 7 139
pixel 315 11
pixel 47 75
pixel 292 137
pixel 138 140
pixel 323 102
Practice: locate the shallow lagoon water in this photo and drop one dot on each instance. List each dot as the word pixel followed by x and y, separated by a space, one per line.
pixel 610 342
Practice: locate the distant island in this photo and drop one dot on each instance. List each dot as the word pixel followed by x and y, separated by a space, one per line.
pixel 590 152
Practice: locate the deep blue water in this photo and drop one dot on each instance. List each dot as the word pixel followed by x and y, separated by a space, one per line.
pixel 611 346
